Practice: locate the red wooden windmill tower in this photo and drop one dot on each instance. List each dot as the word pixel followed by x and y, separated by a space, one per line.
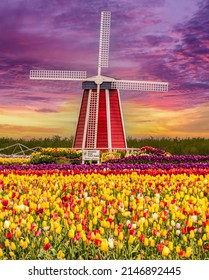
pixel 100 122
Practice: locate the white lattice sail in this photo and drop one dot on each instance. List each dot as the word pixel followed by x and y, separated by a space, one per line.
pixel 104 41
pixel 57 75
pixel 139 85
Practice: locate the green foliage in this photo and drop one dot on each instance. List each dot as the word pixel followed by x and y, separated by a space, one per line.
pixel 53 142
pixel 41 158
pixel 176 146
pixel 57 155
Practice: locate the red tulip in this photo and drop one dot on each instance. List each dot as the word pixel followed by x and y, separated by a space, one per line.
pixel 182 253
pixel 155 231
pixel 132 231
pixel 4 202
pixel 97 242
pixel 183 231
pixel 78 235
pixel 159 247
pixel 38 232
pixel 46 246
pixel 206 247
pixel 141 238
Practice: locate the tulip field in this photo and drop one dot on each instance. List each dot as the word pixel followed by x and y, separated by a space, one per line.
pixel 138 207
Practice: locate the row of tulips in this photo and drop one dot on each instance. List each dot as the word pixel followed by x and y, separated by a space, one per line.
pixel 150 159
pixel 14 160
pixel 113 167
pixel 103 215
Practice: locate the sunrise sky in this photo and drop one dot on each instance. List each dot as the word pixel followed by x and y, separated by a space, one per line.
pixel 154 40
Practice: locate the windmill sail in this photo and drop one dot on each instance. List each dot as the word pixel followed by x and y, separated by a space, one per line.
pixel 104 41
pixel 139 85
pixel 57 75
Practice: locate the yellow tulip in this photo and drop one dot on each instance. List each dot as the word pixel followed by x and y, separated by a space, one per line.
pixel 170 245
pixel 44 224
pixel 58 230
pixel 11 254
pixel 104 246
pixel 165 251
pixel 138 257
pixel 71 233
pixel 199 242
pixel 184 238
pixel 163 232
pixel 191 234
pixel 146 241
pixel 90 225
pixel 160 221
pixel 188 252
pixel 158 227
pixel 152 243
pixel 71 215
pixel 121 236
pixel 178 249
pixel 60 255
pixel 98 236
pixel 79 227
pixel 131 239
pixel 1 253
pixel 94 221
pixel 141 228
pixel 204 237
pixel 46 240
pixel 102 231
pixel 13 225
pixel 13 246
pixel 18 233
pixel 6 243
pixel 107 224
pixel 189 224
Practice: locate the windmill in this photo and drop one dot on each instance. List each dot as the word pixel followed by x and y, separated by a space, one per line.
pixel 100 122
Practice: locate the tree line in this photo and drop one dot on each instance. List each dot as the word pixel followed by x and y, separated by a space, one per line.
pixel 176 146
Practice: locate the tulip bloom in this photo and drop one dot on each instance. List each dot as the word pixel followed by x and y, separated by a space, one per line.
pixel 191 234
pixel 60 255
pixel 111 242
pixel 121 236
pixel 199 242
pixel 6 224
pixel 188 252
pixel 71 233
pixel 104 246
pixel 146 241
pixel 1 253
pixel 178 249
pixel 131 239
pixel 13 246
pixel 46 246
pixel 165 251
pixel 58 230
pixel 159 247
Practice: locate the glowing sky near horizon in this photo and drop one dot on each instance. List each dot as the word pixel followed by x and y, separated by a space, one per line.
pixel 162 40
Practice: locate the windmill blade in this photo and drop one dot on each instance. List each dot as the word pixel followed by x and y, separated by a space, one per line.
pixel 57 75
pixel 139 85
pixel 104 40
